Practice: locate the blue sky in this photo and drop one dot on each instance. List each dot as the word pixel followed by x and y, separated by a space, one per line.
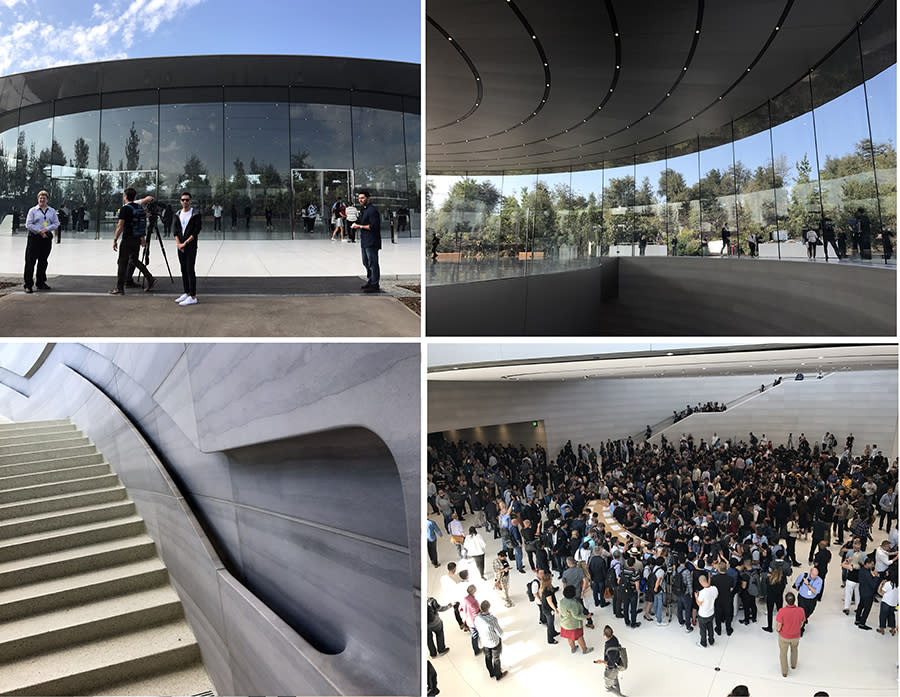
pixel 37 34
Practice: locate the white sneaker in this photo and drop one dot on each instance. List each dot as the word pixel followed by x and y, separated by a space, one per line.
pixel 188 301
pixel 183 296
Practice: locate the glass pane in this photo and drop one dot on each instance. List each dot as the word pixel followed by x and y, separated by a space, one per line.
pixel 412 222
pixel 718 217
pixel 881 91
pixel 320 136
pixel 649 210
pixel 618 207
pixel 586 204
pixel 680 181
pixel 75 181
pixel 257 166
pixel 379 152
pixel 34 154
pixel 190 158
pixel 797 201
pixel 757 180
pixel 846 167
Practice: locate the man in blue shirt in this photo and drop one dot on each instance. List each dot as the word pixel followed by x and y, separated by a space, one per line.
pixel 40 223
pixel 432 531
pixel 808 587
pixel 369 225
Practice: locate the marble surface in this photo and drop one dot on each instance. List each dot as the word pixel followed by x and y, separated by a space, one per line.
pixel 291 586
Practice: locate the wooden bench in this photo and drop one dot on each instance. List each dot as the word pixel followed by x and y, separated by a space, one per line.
pixel 449 256
pixel 530 256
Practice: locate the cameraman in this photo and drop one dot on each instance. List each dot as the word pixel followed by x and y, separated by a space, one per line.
pixel 132 226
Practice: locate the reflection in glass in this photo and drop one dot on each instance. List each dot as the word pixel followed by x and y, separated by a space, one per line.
pixel 846 167
pixel 190 156
pixel 257 167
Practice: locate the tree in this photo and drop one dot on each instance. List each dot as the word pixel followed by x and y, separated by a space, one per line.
pixel 82 153
pixel 133 149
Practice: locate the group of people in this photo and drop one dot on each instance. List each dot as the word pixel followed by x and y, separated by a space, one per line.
pixel 43 221
pixel 700 408
pixel 711 530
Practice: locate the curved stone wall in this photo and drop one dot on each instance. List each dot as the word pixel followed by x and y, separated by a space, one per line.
pixel 280 484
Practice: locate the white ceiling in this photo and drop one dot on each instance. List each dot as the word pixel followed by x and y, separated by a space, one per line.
pixel 675 362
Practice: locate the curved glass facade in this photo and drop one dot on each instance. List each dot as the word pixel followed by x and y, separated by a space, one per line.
pixel 263 153
pixel 818 152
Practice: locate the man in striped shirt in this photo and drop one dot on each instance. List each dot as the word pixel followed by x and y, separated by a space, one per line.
pixel 490 633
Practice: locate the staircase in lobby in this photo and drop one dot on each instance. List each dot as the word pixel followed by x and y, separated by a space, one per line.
pixel 85 602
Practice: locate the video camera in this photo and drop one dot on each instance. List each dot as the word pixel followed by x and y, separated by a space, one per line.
pixel 152 208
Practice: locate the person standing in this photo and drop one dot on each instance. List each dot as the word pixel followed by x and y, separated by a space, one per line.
pixel 706 603
pixel 610 659
pixel 188 224
pixel 868 584
pixel 40 223
pixel 436 645
pixel 470 607
pixel 789 624
pixel 809 586
pixel 501 575
pixel 217 217
pixel 132 227
pixel 432 532
pixel 724 605
pixel 549 607
pixel 774 592
pixel 571 619
pixel 888 592
pixel 369 224
pixel 167 215
pixel 887 508
pixel 491 640
pixel 812 238
pixel 474 547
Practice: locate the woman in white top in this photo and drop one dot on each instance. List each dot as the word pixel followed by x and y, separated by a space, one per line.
pixel 888 591
pixel 474 548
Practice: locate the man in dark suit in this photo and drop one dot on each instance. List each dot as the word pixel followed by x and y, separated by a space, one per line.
pixel 369 225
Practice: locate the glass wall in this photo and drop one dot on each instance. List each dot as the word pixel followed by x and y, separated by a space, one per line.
pixel 818 157
pixel 276 159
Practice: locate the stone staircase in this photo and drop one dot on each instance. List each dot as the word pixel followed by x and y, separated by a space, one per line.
pixel 85 602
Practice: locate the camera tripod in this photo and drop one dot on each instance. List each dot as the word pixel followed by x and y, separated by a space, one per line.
pixel 145 256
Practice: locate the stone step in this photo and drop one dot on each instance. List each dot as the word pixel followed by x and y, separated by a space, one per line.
pixel 35 426
pixel 50 463
pixel 48 453
pixel 70 486
pixel 192 680
pixel 56 520
pixel 56 475
pixel 43 596
pixel 29 636
pixel 55 540
pixel 44 443
pixel 75 560
pixel 61 502
pixel 28 437
pixel 94 665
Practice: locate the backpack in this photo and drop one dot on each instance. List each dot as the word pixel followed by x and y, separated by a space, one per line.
pixel 623 658
pixel 753 583
pixel 611 579
pixel 138 220
pixel 679 586
pixel 529 592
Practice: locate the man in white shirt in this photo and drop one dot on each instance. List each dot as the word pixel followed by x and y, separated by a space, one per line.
pixel 217 216
pixel 40 222
pixel 706 601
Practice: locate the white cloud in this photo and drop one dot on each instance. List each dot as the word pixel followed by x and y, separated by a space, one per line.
pixel 112 29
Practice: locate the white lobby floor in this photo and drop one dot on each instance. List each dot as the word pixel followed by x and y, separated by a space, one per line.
pixel 258 258
pixel 834 655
